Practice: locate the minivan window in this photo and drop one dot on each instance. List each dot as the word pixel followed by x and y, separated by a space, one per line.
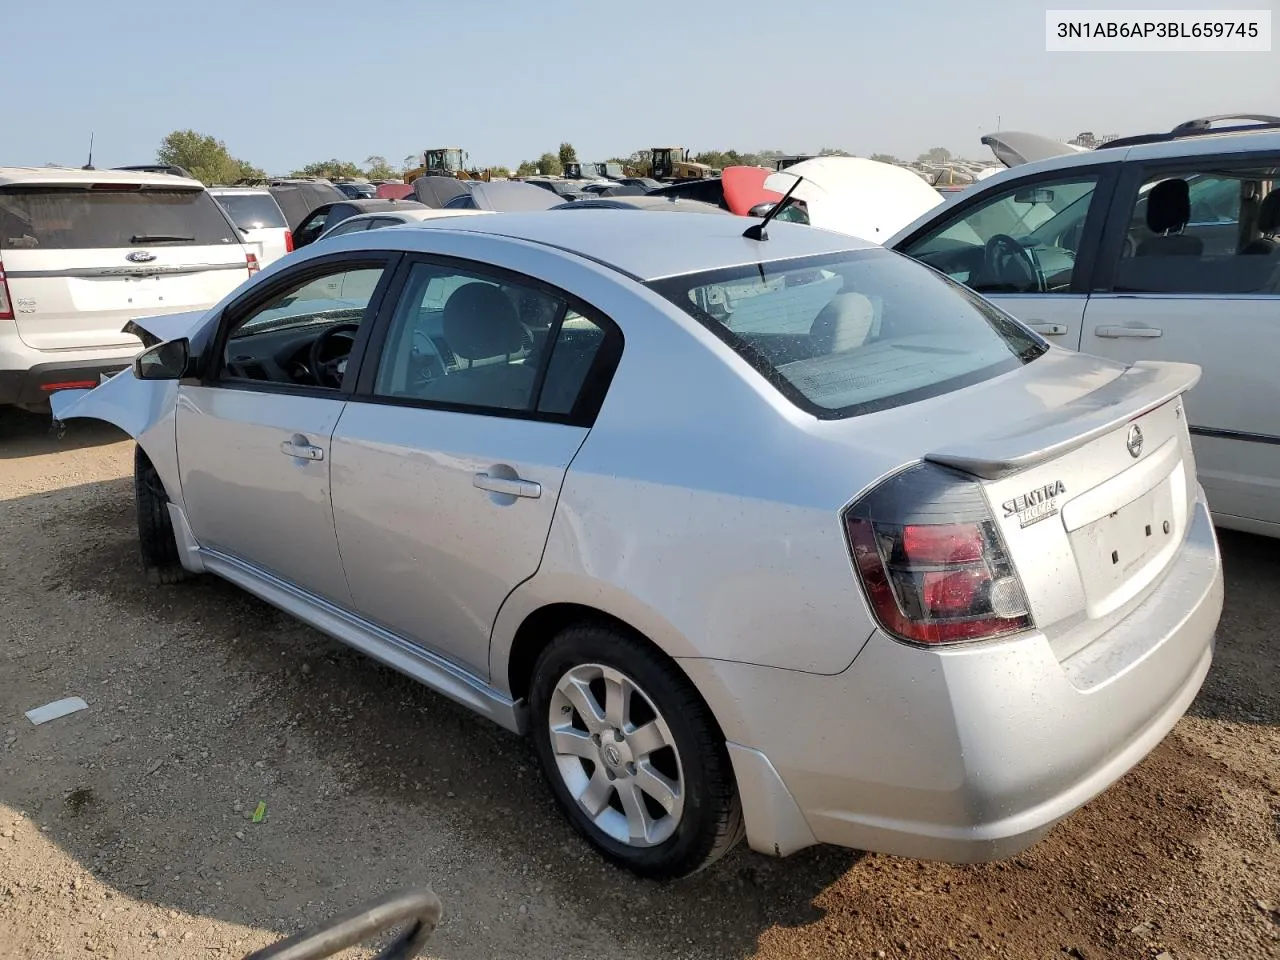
pixel 252 211
pixel 76 218
pixel 846 334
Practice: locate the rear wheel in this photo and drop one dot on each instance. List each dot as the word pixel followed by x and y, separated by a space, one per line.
pixel 158 544
pixel 632 754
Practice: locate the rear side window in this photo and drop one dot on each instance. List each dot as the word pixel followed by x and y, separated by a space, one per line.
pixel 75 218
pixel 856 332
pixel 252 211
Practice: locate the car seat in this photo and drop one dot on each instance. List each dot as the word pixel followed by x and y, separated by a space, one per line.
pixel 1268 226
pixel 480 323
pixel 1168 210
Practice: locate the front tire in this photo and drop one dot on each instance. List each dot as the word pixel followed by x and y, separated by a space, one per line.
pixel 632 754
pixel 159 546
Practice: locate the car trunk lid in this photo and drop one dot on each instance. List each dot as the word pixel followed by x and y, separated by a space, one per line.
pixel 1086 467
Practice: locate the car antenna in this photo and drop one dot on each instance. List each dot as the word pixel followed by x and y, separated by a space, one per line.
pixel 89 165
pixel 757 230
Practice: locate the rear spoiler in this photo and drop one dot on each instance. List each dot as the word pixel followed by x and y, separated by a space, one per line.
pixel 1141 388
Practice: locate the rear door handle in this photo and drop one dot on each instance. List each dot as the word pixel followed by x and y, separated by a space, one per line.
pixel 512 488
pixel 1119 333
pixel 1047 329
pixel 299 447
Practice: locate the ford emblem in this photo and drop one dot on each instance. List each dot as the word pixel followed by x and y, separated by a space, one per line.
pixel 140 256
pixel 1133 443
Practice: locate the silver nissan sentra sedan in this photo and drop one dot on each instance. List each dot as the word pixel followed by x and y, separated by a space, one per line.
pixel 790 538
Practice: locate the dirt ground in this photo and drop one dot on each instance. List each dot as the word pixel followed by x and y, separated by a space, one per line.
pixel 125 829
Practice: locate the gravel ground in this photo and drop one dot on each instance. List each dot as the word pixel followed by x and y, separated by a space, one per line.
pixel 125 829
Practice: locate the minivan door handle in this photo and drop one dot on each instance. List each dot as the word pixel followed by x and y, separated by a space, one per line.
pixel 511 487
pixel 301 448
pixel 1047 329
pixel 1118 333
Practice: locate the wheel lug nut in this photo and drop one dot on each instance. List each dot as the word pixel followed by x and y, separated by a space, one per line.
pixel 631 769
pixel 617 736
pixel 595 738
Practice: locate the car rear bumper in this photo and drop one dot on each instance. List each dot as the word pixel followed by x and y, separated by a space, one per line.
pixel 969 753
pixel 31 387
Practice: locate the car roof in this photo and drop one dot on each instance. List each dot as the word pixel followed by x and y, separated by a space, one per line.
pixel 645 247
pixel 224 190
pixel 1207 144
pixel 14 176
pixel 643 201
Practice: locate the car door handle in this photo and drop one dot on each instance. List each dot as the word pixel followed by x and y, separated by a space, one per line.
pixel 1120 333
pixel 1047 329
pixel 300 448
pixel 512 488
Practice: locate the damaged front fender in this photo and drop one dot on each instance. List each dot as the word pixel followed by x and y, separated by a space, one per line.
pixel 144 409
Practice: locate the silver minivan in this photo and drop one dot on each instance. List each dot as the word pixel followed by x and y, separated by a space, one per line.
pixel 83 252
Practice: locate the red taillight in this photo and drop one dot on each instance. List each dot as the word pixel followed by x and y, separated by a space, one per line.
pixel 251 261
pixel 116 187
pixel 6 302
pixel 288 241
pixel 69 385
pixel 932 562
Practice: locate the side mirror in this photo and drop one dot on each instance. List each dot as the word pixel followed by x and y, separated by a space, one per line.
pixel 164 361
pixel 760 209
pixel 1034 195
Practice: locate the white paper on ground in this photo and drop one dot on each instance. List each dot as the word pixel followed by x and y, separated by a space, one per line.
pixel 52 711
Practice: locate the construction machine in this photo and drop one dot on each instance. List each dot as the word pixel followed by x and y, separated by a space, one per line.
pixel 675 163
pixel 446 162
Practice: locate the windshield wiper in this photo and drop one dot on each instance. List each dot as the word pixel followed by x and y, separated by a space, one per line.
pixel 158 238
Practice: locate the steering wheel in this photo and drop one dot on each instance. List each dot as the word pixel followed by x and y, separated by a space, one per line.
pixel 1003 256
pixel 328 371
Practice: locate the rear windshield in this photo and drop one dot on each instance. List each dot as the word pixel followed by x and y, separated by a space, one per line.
pixel 75 218
pixel 252 211
pixel 856 332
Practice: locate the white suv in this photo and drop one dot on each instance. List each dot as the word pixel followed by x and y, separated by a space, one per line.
pixel 261 221
pixel 1157 247
pixel 82 252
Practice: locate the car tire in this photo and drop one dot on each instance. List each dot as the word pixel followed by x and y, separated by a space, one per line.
pixel 159 546
pixel 691 826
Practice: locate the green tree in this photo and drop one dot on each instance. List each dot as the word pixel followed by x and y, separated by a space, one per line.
pixel 549 165
pixel 412 162
pixel 834 152
pixel 500 173
pixel 935 155
pixel 884 158
pixel 330 169
pixel 379 168
pixel 206 157
pixel 567 154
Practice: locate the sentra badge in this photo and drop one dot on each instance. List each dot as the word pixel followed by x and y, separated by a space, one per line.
pixel 1035 505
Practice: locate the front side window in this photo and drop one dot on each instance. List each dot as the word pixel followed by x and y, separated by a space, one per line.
pixel 1204 230
pixel 470 339
pixel 1021 240
pixel 854 332
pixel 303 335
pixel 110 215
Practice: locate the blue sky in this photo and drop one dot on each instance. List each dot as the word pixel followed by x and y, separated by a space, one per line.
pixel 507 80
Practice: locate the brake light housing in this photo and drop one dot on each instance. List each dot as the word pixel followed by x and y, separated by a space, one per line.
pixel 6 301
pixel 251 261
pixel 288 241
pixel 931 560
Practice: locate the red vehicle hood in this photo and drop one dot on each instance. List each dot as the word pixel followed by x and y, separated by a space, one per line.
pixel 744 188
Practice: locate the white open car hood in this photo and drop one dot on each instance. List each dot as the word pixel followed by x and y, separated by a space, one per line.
pixel 859 197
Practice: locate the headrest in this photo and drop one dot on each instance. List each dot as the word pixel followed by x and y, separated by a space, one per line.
pixel 480 322
pixel 1168 205
pixel 1269 213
